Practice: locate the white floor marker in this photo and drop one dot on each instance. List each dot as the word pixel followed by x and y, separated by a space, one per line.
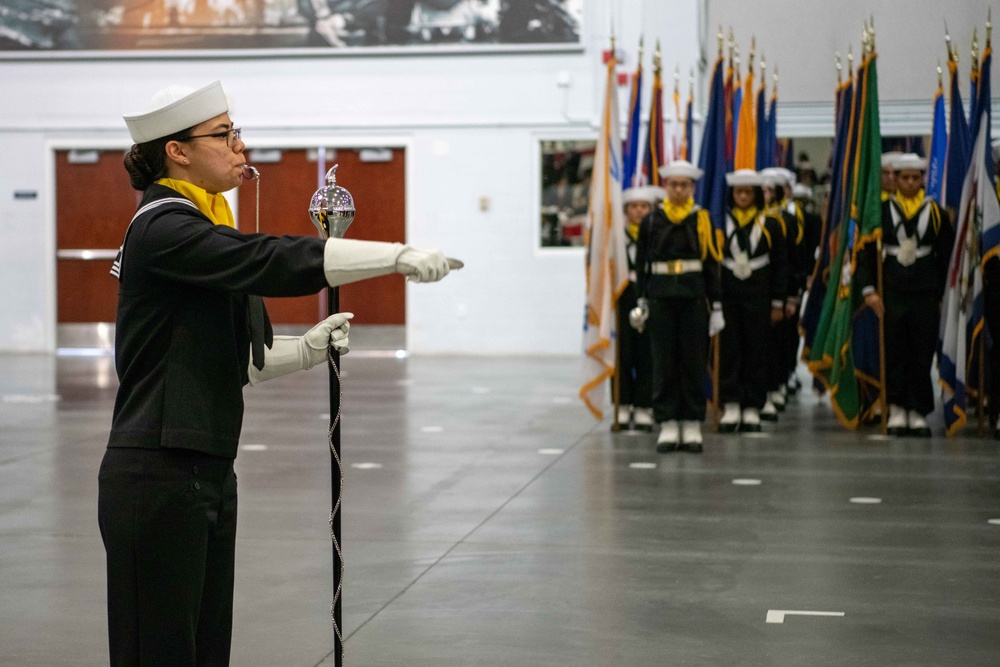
pixel 861 500
pixel 366 466
pixel 778 615
pixel 642 465
pixel 254 448
pixel 994 522
pixel 747 482
pixel 550 452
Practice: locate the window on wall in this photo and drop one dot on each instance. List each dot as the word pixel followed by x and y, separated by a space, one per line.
pixel 565 191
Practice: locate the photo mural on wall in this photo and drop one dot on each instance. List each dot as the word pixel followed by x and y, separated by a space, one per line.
pixel 105 27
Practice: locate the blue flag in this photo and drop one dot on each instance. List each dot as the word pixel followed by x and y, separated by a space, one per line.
pixel 711 188
pixel 959 146
pixel 939 151
pixel 630 154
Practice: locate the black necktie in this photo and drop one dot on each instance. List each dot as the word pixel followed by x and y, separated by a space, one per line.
pixel 261 333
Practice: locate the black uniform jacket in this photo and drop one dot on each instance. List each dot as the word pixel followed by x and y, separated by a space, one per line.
pixel 182 343
pixel 763 240
pixel 934 238
pixel 661 240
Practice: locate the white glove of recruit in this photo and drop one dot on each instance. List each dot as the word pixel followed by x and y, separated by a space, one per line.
pixel 716 322
pixel 348 260
pixel 288 354
pixel 637 316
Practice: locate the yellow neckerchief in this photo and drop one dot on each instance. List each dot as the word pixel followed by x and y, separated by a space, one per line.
pixel 676 214
pixel 215 207
pixel 910 205
pixel 885 195
pixel 632 229
pixel 743 216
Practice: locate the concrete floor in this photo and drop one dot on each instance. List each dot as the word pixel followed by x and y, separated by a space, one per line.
pixel 501 525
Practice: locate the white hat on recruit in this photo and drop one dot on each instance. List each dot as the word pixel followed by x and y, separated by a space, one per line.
pixel 801 191
pixel 889 158
pixel 682 169
pixel 744 177
pixel 649 193
pixel 908 161
pixel 176 108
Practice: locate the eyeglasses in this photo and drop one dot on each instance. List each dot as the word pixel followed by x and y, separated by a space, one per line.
pixel 235 133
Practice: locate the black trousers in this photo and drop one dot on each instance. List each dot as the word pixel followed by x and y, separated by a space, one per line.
pixel 911 331
pixel 635 377
pixel 745 360
pixel 778 351
pixel 168 521
pixel 678 334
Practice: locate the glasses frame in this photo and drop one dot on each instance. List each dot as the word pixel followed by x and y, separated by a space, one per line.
pixel 236 133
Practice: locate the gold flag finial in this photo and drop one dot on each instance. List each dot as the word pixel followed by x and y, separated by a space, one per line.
pixel 871 33
pixel 850 60
pixel 989 25
pixel 840 67
pixel 639 64
pixel 939 71
pixel 736 60
pixel 677 79
pixel 864 41
pixel 722 39
pixel 975 49
pixel 657 58
pixel 753 52
pixel 691 82
pixel 763 65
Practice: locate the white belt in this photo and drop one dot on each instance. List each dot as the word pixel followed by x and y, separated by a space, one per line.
pixel 754 264
pixel 675 267
pixel 922 251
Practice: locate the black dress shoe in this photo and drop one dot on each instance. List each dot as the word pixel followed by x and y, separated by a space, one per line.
pixel 695 448
pixel 666 447
pixel 919 432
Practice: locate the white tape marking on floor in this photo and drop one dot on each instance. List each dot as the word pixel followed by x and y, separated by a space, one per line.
pixel 747 482
pixel 756 435
pixel 31 398
pixel 861 500
pixel 254 448
pixel 778 615
pixel 642 465
pixel 551 452
pixel 879 436
pixel 995 522
pixel 366 466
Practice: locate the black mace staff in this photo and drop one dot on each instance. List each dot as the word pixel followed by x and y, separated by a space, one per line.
pixel 332 211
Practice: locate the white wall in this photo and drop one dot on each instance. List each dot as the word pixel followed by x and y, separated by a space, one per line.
pixel 801 37
pixel 471 125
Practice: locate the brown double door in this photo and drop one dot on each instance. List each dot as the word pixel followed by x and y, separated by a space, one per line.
pixel 94 204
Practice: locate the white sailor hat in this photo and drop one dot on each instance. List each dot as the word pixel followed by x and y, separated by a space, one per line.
pixel 888 158
pixel 647 193
pixel 176 108
pixel 908 161
pixel 744 177
pixel 681 168
pixel 802 191
pixel 777 176
pixel 996 149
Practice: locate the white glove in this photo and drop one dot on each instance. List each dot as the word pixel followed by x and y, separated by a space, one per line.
pixel 348 260
pixel 716 322
pixel 637 316
pixel 422 266
pixel 288 354
pixel 333 330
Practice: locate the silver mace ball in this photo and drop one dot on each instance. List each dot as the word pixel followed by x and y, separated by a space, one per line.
pixel 332 207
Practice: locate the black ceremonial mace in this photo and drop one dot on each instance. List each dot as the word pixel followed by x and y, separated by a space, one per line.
pixel 332 211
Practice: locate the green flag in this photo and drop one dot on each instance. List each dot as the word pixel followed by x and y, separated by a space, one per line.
pixel 833 352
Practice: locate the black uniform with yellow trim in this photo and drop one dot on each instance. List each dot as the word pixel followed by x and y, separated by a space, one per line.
pixel 754 280
pixel 183 346
pixel 678 271
pixel 799 268
pixel 916 247
pixel 635 378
